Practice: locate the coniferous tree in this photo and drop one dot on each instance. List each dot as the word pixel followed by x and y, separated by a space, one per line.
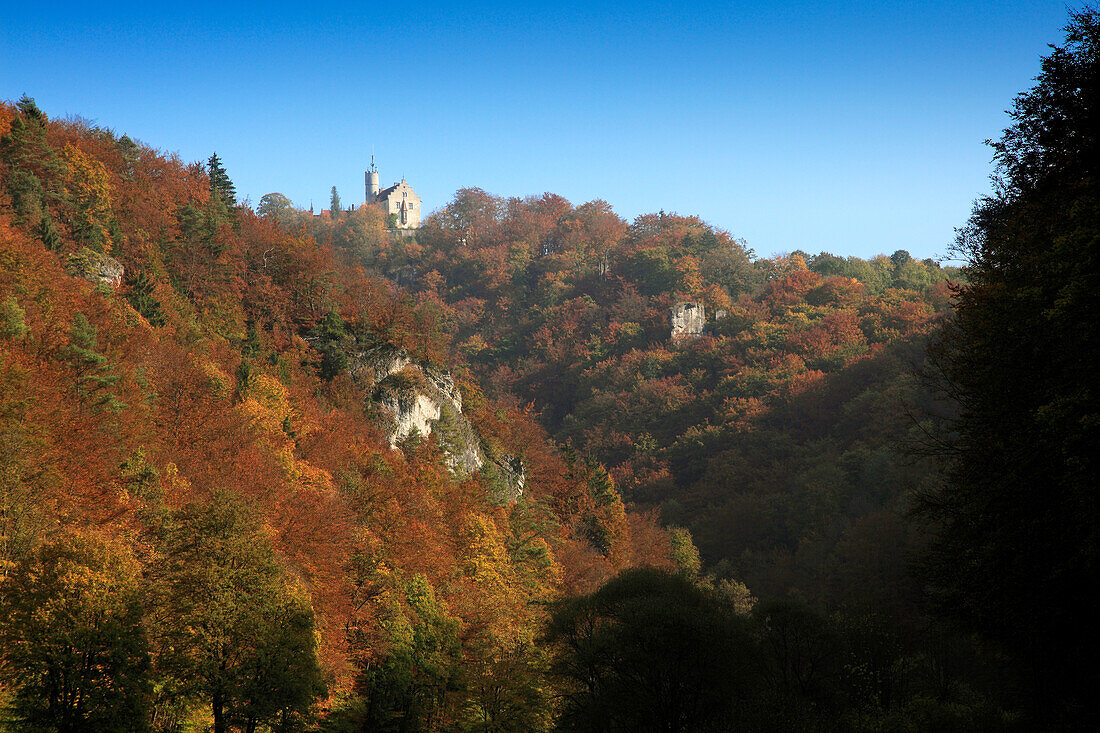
pixel 35 171
pixel 334 205
pixel 47 233
pixel 142 299
pixel 221 187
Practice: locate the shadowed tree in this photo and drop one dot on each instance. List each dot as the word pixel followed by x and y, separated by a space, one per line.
pixel 1017 546
pixel 228 627
pixel 650 651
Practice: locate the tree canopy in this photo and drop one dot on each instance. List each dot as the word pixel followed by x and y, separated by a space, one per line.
pixel 1016 547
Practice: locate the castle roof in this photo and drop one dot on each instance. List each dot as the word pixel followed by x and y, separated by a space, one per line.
pixel 385 192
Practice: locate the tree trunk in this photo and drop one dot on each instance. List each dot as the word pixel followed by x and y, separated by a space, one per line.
pixel 219 712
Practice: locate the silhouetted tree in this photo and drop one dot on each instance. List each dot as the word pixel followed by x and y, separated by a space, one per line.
pixel 1017 546
pixel 334 204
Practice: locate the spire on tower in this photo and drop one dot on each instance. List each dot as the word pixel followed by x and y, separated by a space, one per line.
pixel 371 177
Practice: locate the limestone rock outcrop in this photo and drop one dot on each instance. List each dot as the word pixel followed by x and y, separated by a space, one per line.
pixel 687 320
pixel 511 477
pixel 96 267
pixel 421 400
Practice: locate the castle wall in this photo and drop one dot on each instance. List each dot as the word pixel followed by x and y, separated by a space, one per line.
pixel 403 192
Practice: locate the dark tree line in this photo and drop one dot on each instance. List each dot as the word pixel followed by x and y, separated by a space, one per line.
pixel 1016 552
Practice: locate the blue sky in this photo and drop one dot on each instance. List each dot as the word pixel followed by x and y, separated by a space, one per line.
pixel 849 127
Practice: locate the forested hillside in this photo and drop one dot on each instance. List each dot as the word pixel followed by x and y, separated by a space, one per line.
pixel 534 467
pixel 778 436
pixel 192 474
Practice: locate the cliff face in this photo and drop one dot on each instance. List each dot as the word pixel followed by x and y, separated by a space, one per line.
pixel 687 320
pixel 423 400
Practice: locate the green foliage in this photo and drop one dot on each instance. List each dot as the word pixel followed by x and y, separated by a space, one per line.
pixel 330 336
pixel 140 295
pixel 729 265
pixel 47 233
pixel 71 638
pixel 141 477
pixel 276 207
pixel 221 187
pixel 334 204
pixel 602 524
pixel 35 172
pixel 12 325
pixel 405 690
pixel 684 554
pixel 94 375
pixel 229 628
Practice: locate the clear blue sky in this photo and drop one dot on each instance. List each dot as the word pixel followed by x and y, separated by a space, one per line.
pixel 850 127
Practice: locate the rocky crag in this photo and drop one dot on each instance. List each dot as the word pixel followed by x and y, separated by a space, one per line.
pixel 417 400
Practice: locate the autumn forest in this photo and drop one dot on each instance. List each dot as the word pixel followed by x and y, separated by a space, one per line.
pixel 263 469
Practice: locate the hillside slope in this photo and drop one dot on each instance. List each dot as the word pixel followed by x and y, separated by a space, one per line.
pixel 175 370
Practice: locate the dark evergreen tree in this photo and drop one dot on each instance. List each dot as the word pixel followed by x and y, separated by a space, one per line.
pixel 141 297
pixel 334 205
pixel 221 187
pixel 330 336
pixel 34 178
pixel 1017 546
pixel 46 231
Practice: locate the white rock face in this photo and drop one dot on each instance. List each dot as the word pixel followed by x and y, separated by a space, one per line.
pixel 413 413
pixel 687 320
pixel 424 400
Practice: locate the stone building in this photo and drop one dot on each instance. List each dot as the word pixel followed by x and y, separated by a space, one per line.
pixel 399 200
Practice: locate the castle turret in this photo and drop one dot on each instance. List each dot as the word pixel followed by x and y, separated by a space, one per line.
pixel 372 182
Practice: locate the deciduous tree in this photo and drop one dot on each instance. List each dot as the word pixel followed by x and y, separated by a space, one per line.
pixel 71 637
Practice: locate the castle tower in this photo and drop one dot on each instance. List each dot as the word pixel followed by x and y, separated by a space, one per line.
pixel 372 182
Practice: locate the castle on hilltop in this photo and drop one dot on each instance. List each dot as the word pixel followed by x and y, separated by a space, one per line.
pixel 399 200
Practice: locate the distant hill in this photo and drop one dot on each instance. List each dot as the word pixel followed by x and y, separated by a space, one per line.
pixel 780 435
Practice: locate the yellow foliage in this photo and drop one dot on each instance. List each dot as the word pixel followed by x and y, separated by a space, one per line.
pixel 265 403
pixel 87 184
pixel 224 316
pixel 176 487
pixel 218 379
